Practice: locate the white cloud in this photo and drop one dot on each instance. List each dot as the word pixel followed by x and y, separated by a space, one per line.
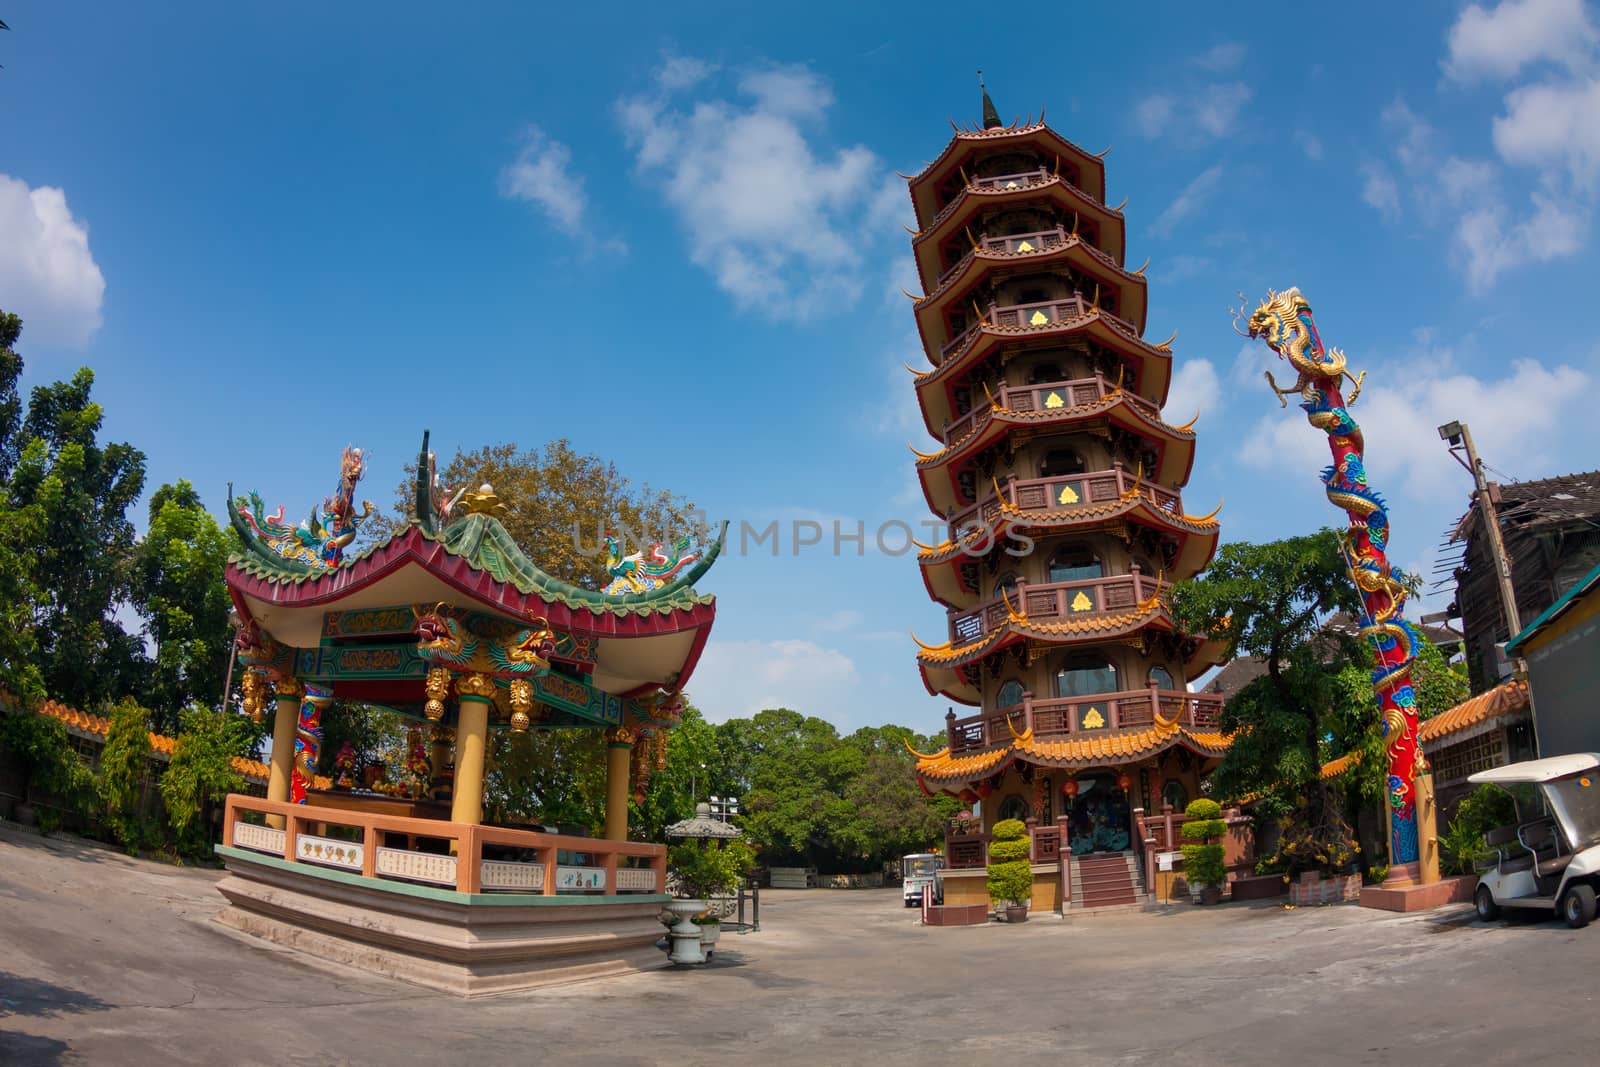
pixel 1195 116
pixel 1220 57
pixel 1310 144
pixel 542 176
pixel 777 220
pixel 47 273
pixel 1181 267
pixel 1494 244
pixel 1553 126
pixel 1498 43
pixel 1195 388
pixel 840 621
pixel 681 72
pixel 1379 190
pixel 1525 421
pixel 739 678
pixel 1188 200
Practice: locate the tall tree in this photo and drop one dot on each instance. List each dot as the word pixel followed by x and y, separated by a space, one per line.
pixel 81 560
pixel 21 527
pixel 559 504
pixel 177 585
pixel 1271 600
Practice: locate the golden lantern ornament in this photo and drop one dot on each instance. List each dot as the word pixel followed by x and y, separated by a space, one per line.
pixel 521 705
pixel 253 699
pixel 438 687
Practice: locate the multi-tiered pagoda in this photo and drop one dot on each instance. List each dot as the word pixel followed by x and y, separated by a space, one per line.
pixel 1061 483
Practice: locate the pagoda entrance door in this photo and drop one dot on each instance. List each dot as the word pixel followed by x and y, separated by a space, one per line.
pixel 1100 819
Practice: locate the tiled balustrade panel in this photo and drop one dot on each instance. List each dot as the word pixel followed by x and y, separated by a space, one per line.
pixel 416 866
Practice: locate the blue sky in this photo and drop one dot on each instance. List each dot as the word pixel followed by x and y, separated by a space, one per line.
pixel 673 234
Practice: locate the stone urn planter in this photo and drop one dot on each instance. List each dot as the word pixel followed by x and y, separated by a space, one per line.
pixel 710 933
pixel 1210 894
pixel 684 933
pixel 1016 913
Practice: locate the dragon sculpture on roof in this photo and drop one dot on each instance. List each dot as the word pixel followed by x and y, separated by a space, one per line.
pixel 1284 321
pixel 641 572
pixel 321 539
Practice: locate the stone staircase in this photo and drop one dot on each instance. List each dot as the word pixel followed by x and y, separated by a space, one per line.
pixel 1106 880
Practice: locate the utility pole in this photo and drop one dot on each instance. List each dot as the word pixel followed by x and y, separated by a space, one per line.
pixel 1460 437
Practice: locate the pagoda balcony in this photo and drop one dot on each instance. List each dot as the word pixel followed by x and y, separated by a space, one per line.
pixel 1055 601
pixel 1043 396
pixel 1062 492
pixel 1037 241
pixel 1033 316
pixel 1083 717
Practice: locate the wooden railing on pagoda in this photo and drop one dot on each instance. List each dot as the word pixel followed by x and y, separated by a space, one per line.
pixel 459 856
pixel 1038 316
pixel 1062 493
pixel 1082 716
pixel 1044 396
pixel 1036 241
pixel 1054 601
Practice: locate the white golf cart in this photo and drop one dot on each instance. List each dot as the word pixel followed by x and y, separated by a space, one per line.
pixel 919 875
pixel 1551 857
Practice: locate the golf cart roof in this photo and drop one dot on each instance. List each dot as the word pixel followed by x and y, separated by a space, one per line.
pixel 1538 770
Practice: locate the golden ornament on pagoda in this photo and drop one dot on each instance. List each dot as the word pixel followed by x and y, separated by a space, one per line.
pixel 521 704
pixel 437 688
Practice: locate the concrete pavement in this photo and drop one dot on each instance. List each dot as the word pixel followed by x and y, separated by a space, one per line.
pixel 109 960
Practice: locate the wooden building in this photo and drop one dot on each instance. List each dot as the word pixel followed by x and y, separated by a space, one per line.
pixel 1061 483
pixel 1551 529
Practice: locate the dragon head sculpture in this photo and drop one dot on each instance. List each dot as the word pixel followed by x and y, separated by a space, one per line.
pixel 436 630
pixel 1278 318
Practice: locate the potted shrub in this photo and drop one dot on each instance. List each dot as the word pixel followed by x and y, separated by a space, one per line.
pixel 1010 876
pixel 703 869
pixel 1202 851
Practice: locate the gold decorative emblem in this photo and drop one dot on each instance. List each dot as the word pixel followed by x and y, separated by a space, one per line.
pixel 1054 401
pixel 1093 720
pixel 483 502
pixel 620 735
pixel 1012 185
pixel 437 687
pixel 1037 319
pixel 1025 247
pixel 475 685
pixel 288 689
pixel 1081 602
pixel 1068 495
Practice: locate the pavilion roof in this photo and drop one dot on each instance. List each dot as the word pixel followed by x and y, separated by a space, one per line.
pixel 1101 749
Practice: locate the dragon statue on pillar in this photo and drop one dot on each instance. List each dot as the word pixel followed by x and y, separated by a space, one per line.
pixel 1284 321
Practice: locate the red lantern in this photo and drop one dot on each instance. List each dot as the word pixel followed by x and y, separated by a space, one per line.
pixel 968 797
pixel 1124 782
pixel 984 789
pixel 1070 788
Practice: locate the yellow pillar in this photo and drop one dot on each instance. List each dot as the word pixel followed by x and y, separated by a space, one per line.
pixel 476 693
pixel 1427 827
pixel 619 748
pixel 286 694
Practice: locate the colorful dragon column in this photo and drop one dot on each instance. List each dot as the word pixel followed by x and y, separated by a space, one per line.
pixel 1284 321
pixel 308 742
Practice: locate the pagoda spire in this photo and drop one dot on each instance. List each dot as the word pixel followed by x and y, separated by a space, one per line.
pixel 991 117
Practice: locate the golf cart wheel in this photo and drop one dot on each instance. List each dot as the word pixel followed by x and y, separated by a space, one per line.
pixel 1488 910
pixel 1577 906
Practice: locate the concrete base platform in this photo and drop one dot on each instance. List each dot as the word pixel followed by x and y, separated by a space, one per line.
pixel 467 944
pixel 1403 894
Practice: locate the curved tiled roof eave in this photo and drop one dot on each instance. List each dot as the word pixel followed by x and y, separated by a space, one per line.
pixel 963 137
pixel 1075 751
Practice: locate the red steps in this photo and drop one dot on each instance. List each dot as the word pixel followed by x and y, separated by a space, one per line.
pixel 1103 881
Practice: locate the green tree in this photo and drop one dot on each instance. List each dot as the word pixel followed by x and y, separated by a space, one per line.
pixel 889 815
pixel 200 773
pixel 43 753
pixel 21 527
pixel 124 772
pixel 686 780
pixel 1271 600
pixel 559 502
pixel 177 585
pixel 81 557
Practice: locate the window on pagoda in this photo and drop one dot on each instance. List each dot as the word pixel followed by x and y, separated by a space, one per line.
pixel 1010 695
pixel 1075 563
pixel 1013 807
pixel 1084 676
pixel 1031 295
pixel 1044 372
pixel 1006 585
pixel 1059 462
pixel 1161 679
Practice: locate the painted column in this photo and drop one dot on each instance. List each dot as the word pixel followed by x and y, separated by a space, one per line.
pixel 286 695
pixel 476 694
pixel 619 749
pixel 307 740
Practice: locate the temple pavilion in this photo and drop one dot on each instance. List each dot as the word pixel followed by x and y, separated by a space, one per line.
pixel 1061 483
pixel 449 623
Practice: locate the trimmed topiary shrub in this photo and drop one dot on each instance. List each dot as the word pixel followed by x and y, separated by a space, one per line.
pixel 1202 856
pixel 1010 876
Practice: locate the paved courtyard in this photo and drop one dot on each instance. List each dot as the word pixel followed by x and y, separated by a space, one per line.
pixel 109 960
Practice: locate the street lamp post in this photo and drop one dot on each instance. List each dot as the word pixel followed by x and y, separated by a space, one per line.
pixel 1459 437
